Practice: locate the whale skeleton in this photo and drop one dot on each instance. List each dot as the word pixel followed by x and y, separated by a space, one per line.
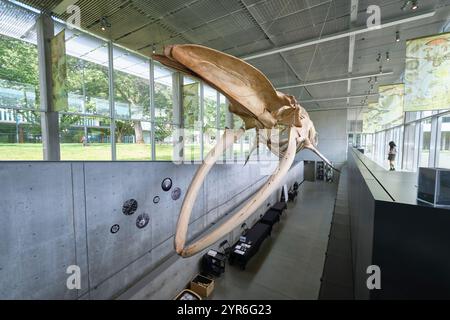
pixel 253 98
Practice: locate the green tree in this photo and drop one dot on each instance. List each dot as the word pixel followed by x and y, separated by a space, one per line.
pixel 19 70
pixel 210 116
pixel 18 61
pixel 136 92
pixel 123 128
pixel 191 104
pixel 19 67
pixel 164 111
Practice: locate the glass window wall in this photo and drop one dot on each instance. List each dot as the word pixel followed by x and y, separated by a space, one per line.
pixel 20 124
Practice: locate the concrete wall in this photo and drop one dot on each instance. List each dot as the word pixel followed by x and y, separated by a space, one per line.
pixel 331 126
pixel 56 214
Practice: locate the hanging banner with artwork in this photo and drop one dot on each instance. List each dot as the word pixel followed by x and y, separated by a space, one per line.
pixel 371 118
pixel 427 73
pixel 59 72
pixel 390 104
pixel 191 104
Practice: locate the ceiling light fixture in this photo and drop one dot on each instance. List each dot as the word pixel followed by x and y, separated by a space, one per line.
pixel 413 4
pixel 387 56
pixel 104 24
pixel 397 36
pixel 379 57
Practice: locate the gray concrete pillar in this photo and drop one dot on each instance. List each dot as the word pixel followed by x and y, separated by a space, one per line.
pixel 112 111
pixel 202 120
pixel 229 123
pixel 49 117
pixel 152 108
pixel 434 148
pixel 178 134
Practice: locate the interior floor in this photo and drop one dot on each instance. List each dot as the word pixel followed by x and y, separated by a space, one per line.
pixel 289 263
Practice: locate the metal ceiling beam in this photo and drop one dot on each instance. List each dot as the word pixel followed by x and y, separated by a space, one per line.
pixel 339 98
pixel 339 35
pixel 351 45
pixel 338 79
pixel 336 108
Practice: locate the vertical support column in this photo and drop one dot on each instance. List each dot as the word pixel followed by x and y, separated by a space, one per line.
pixel 416 143
pixel 49 117
pixel 405 153
pixel 258 158
pixel 152 109
pixel 242 138
pixel 439 141
pixel 218 123
pixel 433 142
pixel 419 140
pixel 229 123
pixel 202 122
pixel 16 121
pixel 229 119
pixel 177 88
pixel 112 113
pixel 85 122
pixel 351 45
pixel 218 117
pixel 402 146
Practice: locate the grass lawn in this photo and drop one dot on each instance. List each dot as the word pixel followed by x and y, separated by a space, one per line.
pixel 93 152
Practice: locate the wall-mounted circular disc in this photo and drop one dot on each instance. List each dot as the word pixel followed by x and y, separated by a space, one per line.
pixel 129 207
pixel 176 193
pixel 142 220
pixel 115 228
pixel 166 185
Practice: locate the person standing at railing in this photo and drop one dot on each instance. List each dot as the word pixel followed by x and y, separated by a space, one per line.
pixel 391 155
